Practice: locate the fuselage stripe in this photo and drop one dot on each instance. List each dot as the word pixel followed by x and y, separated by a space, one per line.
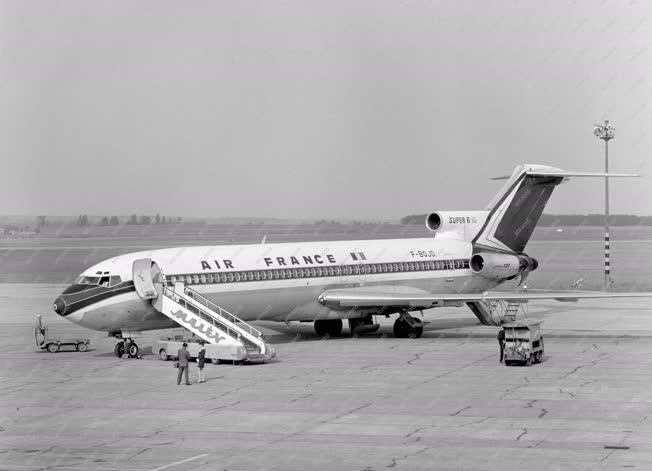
pixel 317 272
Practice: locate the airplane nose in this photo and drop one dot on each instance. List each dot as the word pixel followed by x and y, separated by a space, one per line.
pixel 59 306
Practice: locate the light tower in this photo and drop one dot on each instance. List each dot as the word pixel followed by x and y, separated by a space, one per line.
pixel 606 132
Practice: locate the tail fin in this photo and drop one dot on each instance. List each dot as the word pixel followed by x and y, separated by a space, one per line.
pixel 516 209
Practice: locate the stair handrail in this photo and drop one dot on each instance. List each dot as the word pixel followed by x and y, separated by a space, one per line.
pixel 224 313
pixel 213 320
pixel 224 317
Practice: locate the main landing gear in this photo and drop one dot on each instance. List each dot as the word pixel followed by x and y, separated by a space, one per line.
pixel 128 347
pixel 407 326
pixel 330 327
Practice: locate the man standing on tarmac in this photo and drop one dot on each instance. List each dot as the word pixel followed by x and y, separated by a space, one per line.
pixel 501 342
pixel 183 357
pixel 201 360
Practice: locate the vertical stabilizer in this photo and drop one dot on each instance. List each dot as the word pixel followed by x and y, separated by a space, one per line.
pixel 516 209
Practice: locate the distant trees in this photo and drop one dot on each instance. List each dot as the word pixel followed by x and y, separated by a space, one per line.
pixel 104 221
pixel 114 221
pixel 41 221
pixel 145 220
pixel 82 220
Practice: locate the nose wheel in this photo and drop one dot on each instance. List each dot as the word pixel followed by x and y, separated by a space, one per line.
pixel 128 347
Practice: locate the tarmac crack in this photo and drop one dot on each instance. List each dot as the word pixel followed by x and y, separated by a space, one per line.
pixel 460 411
pixel 521 434
pixel 144 450
pixel 400 458
pixel 574 370
pixel 543 412
pixel 305 396
pixel 417 356
pixel 214 409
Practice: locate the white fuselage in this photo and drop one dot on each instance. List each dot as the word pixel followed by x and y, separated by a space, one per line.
pixel 282 282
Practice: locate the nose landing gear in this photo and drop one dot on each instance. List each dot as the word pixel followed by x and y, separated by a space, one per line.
pixel 126 347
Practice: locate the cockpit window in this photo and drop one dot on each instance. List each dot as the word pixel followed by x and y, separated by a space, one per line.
pixel 88 280
pixel 104 280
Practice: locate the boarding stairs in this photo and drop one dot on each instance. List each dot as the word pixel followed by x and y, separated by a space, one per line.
pixel 213 323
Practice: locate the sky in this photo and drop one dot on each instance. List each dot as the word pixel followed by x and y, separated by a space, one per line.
pixel 305 109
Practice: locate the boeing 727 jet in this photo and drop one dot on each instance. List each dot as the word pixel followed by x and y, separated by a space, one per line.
pixel 214 291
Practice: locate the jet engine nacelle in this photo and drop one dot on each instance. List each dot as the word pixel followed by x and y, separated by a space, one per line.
pixel 462 225
pixel 498 266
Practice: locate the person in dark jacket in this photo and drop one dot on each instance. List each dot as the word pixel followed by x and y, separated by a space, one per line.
pixel 183 357
pixel 201 360
pixel 501 342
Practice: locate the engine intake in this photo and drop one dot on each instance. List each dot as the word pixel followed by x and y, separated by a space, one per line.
pixel 499 266
pixel 433 222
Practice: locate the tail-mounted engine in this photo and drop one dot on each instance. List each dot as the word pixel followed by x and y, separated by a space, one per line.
pixel 463 225
pixel 500 266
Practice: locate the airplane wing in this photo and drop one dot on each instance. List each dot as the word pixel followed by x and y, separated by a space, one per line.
pixel 390 296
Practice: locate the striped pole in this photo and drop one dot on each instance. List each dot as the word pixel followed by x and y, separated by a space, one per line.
pixel 606 132
pixel 606 216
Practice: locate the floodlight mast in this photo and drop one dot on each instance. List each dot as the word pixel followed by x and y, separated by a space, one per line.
pixel 606 132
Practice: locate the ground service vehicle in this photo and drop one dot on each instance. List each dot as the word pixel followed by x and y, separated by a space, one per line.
pixel 523 342
pixel 53 345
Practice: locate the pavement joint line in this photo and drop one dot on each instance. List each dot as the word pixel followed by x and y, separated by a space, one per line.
pixel 176 463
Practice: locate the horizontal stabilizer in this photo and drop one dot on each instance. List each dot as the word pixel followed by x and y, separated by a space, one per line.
pixel 564 174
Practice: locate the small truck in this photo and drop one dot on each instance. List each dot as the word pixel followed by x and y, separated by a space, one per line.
pixel 523 342
pixel 167 348
pixel 53 345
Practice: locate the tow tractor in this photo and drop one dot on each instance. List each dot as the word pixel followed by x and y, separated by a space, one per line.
pixel 523 342
pixel 53 345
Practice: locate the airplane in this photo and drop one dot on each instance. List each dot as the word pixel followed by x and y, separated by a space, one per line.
pixel 215 291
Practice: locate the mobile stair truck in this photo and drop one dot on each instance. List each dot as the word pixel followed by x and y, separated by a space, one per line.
pixel 523 342
pixel 225 336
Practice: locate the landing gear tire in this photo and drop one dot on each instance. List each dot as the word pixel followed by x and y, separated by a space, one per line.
pixel 163 355
pixel 119 349
pixel 330 327
pixel 53 348
pixel 133 351
pixel 402 329
pixel 82 347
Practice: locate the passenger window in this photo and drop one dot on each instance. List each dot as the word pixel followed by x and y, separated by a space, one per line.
pixel 230 276
pixel 223 277
pixel 250 276
pixel 202 278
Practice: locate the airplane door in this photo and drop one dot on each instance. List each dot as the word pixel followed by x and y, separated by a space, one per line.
pixel 143 276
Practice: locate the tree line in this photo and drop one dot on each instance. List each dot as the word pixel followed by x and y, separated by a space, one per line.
pixel 551 220
pixel 133 220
